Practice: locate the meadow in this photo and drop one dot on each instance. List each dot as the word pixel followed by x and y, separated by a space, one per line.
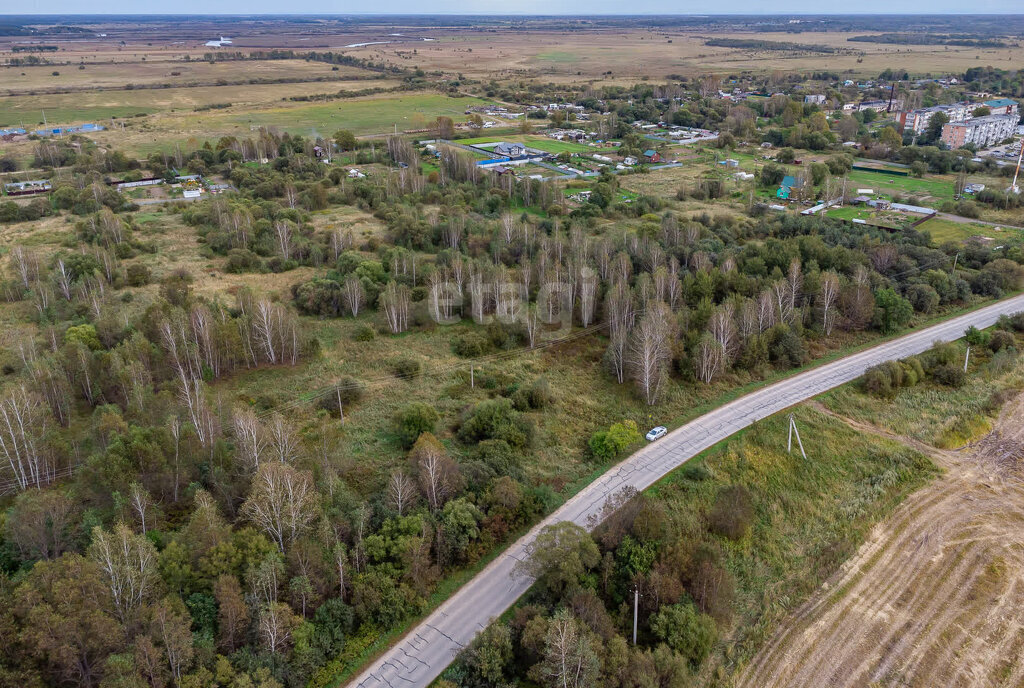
pixel 177 72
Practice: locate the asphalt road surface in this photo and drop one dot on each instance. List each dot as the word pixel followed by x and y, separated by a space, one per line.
pixel 427 649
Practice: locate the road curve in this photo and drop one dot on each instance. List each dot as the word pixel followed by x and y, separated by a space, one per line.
pixel 426 650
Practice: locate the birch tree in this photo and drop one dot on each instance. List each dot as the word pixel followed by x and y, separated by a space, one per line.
pixel 353 294
pixel 281 501
pixel 21 428
pixel 708 359
pixel 128 564
pixel 401 492
pixel 827 296
pixel 649 350
pixel 394 302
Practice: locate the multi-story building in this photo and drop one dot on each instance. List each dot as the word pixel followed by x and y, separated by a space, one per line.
pixel 981 131
pixel 917 120
pixel 815 98
pixel 1003 106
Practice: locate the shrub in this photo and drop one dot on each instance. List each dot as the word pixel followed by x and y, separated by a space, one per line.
pixel 242 260
pixel 1000 340
pixel 950 375
pixel 407 368
pixel 496 420
pixel 976 337
pixel 85 334
pixel 536 396
pixel 685 630
pixel 363 333
pixel 414 420
pixel 348 391
pixel 500 457
pixel 732 513
pixel 892 311
pixel 922 297
pixel 470 345
pixel 138 275
pixel 606 445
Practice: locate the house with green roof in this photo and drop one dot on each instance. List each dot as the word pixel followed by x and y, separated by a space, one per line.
pixel 1003 106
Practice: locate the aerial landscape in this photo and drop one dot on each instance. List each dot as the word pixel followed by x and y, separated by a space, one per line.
pixel 511 347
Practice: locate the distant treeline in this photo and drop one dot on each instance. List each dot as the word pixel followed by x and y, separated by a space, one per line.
pixel 353 94
pixel 34 49
pixel 963 40
pixel 328 57
pixel 757 44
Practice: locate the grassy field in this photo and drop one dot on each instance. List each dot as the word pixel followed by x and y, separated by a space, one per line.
pixel 178 72
pixel 632 54
pixel 941 416
pixel 939 188
pixel 943 230
pixel 68 108
pixel 810 515
pixel 362 115
pixel 880 219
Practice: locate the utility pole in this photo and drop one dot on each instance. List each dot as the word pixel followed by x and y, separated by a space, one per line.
pixel 955 259
pixel 341 411
pixel 471 384
pixel 636 605
pixel 793 429
pixel 967 358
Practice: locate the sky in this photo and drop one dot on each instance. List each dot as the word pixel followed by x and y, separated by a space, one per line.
pixel 566 7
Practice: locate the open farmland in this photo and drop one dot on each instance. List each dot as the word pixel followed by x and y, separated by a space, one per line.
pixel 120 75
pixel 631 54
pixel 360 116
pixel 934 595
pixel 306 371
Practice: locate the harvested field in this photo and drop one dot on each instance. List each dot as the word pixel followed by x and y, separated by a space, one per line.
pixel 935 597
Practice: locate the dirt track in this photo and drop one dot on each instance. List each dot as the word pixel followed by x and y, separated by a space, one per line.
pixel 935 597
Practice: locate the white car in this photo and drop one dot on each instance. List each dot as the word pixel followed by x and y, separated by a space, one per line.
pixel 657 433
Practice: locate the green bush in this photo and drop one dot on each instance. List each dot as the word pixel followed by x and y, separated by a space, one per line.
pixel 950 375
pixel 470 345
pixel 363 333
pixel 496 420
pixel 535 397
pixel 348 392
pixel 607 445
pixel 406 368
pixel 242 260
pixel 685 630
pixel 414 420
pixel 138 275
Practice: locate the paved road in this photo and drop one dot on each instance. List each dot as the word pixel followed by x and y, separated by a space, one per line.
pixel 427 649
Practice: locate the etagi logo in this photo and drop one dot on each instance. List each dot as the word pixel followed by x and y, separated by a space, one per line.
pixel 548 317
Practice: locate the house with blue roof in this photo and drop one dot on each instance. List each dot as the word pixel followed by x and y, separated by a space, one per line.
pixel 789 183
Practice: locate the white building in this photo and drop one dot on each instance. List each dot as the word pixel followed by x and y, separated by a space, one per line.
pixel 981 131
pixel 917 120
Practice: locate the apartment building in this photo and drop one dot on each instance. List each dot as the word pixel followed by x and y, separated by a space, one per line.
pixel 917 120
pixel 981 131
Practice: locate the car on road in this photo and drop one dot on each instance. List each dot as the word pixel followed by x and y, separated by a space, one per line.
pixel 657 433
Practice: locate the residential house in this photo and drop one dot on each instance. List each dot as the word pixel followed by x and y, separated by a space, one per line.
pixel 651 155
pixel 815 99
pixel 510 150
